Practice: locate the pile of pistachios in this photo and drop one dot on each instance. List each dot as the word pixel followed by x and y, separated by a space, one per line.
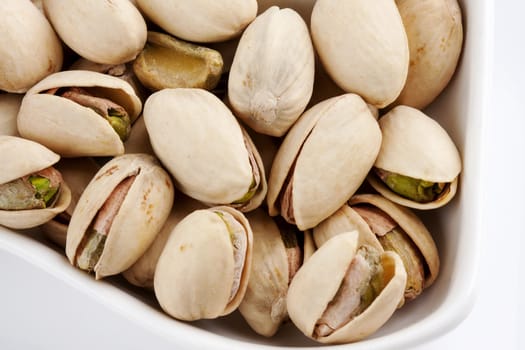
pixel 260 156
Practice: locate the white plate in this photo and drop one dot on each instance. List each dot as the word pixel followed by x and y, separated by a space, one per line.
pixel 461 109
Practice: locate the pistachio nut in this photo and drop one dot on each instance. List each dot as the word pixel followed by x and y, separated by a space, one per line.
pixel 9 107
pixel 363 47
pixel 79 113
pixel 200 20
pixel 210 156
pixel 77 173
pixel 32 192
pixel 168 62
pixel 269 90
pixel 119 214
pixel 142 272
pixel 29 48
pixel 277 255
pixel 345 291
pixel 418 164
pixel 110 32
pixel 435 38
pixel 339 134
pixel 204 268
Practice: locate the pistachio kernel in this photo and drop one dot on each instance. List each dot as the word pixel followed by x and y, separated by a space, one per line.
pixel 418 190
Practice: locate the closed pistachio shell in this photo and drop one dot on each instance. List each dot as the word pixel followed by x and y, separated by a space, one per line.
pixel 435 38
pixel 363 46
pixel 204 268
pixel 200 20
pixel 29 48
pixel 140 213
pixel 26 157
pixel 317 282
pixel 72 129
pixel 9 106
pixel 416 146
pixel 111 32
pixel 339 134
pixel 269 90
pixel 211 158
pixel 142 272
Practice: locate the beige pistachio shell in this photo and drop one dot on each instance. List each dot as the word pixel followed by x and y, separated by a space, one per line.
pixel 363 46
pixel 200 20
pixel 167 62
pixel 77 173
pixel 309 246
pixel 141 273
pixel 344 220
pixel 9 106
pixel 412 225
pixel 29 48
pixel 415 145
pixel 69 128
pixel 318 280
pixel 264 304
pixel 435 38
pixel 339 134
pixel 267 89
pixel 195 272
pixel 111 32
pixel 201 143
pixel 140 217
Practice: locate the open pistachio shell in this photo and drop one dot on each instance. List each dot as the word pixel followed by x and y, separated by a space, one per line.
pixel 167 62
pixel 416 146
pixel 138 218
pixel 210 156
pixel 69 128
pixel 77 173
pixel 318 283
pixel 204 268
pixel 29 48
pixel 411 225
pixel 111 32
pixel 269 90
pixel 200 20
pixel 363 46
pixel 141 273
pixel 339 134
pixel 25 157
pixel 276 257
pixel 9 106
pixel 435 38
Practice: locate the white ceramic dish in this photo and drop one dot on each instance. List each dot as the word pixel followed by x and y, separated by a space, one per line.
pixel 461 109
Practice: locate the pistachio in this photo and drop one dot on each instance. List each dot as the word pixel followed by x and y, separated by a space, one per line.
pixel 418 190
pixel 167 62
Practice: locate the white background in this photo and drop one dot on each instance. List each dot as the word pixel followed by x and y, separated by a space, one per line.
pixel 38 305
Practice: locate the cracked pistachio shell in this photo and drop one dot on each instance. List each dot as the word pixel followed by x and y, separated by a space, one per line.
pixel 77 173
pixel 264 304
pixel 200 20
pixel 415 145
pixel 140 216
pixel 318 281
pixel 69 128
pixel 269 90
pixel 195 272
pixel 200 142
pixel 23 157
pixel 167 62
pixel 339 134
pixel 9 106
pixel 142 272
pixel 413 227
pixel 363 47
pixel 435 38
pixel 111 32
pixel 29 48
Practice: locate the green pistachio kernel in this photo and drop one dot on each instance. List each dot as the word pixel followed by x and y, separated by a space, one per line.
pixel 249 195
pixel 44 190
pixel 92 251
pixel 120 122
pixel 418 190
